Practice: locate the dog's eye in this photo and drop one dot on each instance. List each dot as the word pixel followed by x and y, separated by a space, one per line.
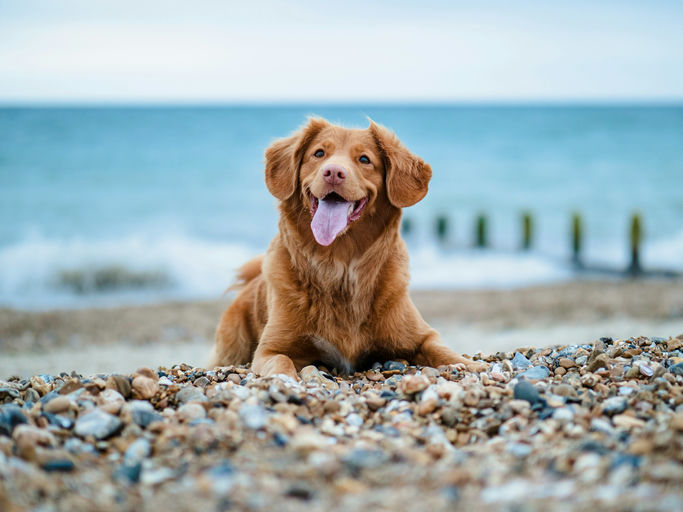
pixel 319 154
pixel 364 159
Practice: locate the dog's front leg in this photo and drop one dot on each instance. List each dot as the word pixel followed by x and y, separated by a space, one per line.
pixel 433 352
pixel 278 352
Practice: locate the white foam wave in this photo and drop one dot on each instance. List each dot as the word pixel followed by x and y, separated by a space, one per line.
pixel 434 269
pixel 41 272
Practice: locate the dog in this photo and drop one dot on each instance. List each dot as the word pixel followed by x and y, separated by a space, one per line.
pixel 332 287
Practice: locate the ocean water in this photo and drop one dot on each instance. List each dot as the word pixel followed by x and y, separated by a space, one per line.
pixel 114 205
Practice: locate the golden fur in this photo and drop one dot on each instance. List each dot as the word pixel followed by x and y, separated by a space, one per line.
pixel 347 304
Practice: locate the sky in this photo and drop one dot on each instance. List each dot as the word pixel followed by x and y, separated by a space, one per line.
pixel 73 51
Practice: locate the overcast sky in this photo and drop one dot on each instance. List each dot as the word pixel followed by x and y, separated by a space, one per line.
pixel 310 51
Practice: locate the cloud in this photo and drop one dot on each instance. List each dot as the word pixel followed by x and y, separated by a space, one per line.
pixel 313 51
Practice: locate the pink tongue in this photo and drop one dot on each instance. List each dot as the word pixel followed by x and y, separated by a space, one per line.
pixel 329 220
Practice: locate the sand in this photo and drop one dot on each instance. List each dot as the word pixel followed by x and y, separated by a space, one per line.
pixel 123 339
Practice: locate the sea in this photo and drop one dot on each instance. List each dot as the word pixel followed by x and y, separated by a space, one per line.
pixel 104 206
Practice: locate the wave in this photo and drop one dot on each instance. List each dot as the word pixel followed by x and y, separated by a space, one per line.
pixel 40 272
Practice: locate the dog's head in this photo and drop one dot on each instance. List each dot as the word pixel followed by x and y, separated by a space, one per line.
pixel 342 175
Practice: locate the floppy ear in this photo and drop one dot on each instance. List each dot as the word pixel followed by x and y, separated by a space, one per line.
pixel 284 156
pixel 407 175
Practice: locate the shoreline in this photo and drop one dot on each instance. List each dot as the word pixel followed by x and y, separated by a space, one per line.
pixel 470 321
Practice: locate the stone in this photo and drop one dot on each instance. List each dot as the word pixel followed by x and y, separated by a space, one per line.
pixel 190 412
pixel 144 417
pixel 524 390
pixel 520 362
pixel 374 401
pixel 11 415
pixel 144 387
pixel 39 384
pixel 393 366
pixel 677 369
pixel 310 372
pixel 614 405
pixel 601 361
pixel 97 424
pixel 137 451
pixel 677 421
pixel 58 405
pixel 190 394
pixel 354 420
pixel 253 416
pixel 30 436
pixel 566 363
pixel 58 421
pixel 627 421
pixel 59 465
pixel 411 384
pixel 535 373
pixel 121 384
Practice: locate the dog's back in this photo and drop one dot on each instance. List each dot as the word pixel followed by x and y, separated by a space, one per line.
pixel 242 323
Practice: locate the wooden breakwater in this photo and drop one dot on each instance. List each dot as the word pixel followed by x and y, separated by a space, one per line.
pixel 576 234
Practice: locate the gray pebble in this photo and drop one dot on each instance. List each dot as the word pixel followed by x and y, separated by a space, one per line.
pixel 614 405
pixel 526 391
pixel 137 451
pixel 254 416
pixel 98 424
pixel 190 394
pixel 535 373
pixel 520 362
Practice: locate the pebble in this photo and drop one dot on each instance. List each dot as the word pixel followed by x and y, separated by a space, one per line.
pixel 59 465
pixel 254 416
pixel 58 405
pixel 190 394
pixel 535 373
pixel 121 384
pixel 98 424
pixel 212 440
pixel 144 387
pixel 190 412
pixel 412 384
pixel 526 391
pixel 614 405
pixel 137 451
pixel 520 362
pixel 11 415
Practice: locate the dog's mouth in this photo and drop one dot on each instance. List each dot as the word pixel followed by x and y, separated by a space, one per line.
pixel 332 214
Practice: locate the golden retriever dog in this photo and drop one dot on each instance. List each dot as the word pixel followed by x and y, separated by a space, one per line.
pixel 333 286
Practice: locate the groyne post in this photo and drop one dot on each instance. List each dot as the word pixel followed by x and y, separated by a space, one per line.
pixel 576 238
pixel 441 228
pixel 636 237
pixel 527 230
pixel 481 231
pixel 406 226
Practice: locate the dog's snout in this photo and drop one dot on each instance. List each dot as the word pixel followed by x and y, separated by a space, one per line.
pixel 334 174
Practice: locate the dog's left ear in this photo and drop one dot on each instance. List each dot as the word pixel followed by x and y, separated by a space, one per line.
pixel 284 157
pixel 407 175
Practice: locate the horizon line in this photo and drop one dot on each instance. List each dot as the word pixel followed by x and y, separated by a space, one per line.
pixel 291 103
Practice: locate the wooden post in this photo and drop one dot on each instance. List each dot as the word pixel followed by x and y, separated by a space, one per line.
pixel 577 239
pixel 636 237
pixel 442 228
pixel 406 226
pixel 481 235
pixel 527 230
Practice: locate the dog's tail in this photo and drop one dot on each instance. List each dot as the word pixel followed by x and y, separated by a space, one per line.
pixel 247 273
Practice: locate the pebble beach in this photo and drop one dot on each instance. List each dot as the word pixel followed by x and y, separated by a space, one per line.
pixel 585 426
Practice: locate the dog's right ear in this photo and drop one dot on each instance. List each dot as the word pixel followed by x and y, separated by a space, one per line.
pixel 284 157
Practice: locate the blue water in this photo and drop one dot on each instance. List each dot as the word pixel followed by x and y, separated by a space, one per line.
pixel 178 194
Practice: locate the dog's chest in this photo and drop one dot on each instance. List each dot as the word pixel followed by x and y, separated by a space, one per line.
pixel 331 355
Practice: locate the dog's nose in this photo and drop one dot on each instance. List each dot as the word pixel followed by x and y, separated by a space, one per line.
pixel 334 174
